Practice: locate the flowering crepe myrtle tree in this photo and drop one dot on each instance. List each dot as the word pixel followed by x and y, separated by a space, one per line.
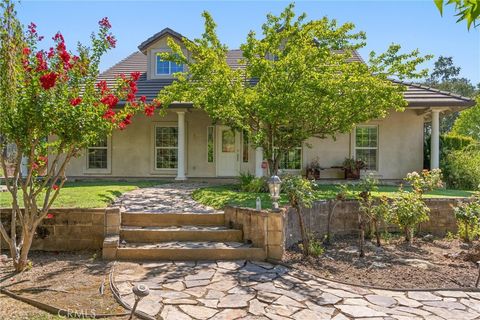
pixel 52 107
pixel 298 81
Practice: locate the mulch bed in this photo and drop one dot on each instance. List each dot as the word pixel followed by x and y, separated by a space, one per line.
pixel 427 264
pixel 70 281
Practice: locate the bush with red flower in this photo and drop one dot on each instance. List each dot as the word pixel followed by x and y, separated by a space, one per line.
pixel 53 94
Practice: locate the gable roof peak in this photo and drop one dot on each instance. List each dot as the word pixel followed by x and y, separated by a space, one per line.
pixel 166 31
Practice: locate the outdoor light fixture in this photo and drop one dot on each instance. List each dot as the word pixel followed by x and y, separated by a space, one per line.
pixel 140 291
pixel 274 186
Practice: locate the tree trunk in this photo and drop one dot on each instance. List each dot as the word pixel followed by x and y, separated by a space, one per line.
pixel 409 235
pixel 329 221
pixel 361 240
pixel 377 233
pixel 305 238
pixel 21 263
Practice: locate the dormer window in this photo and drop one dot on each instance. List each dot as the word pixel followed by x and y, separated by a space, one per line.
pixel 164 67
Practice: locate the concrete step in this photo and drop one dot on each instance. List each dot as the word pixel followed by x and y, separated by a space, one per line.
pixel 183 233
pixel 142 219
pixel 182 251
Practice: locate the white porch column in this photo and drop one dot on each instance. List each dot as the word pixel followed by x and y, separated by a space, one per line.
pixel 258 162
pixel 181 146
pixel 435 140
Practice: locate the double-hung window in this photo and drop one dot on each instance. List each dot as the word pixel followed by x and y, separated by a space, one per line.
pixel 166 147
pixel 164 67
pixel 97 155
pixel 291 160
pixel 366 146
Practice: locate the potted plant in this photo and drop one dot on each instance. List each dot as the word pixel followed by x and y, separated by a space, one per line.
pixel 352 168
pixel 312 172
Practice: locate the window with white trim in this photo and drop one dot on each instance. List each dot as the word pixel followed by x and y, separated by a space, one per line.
pixel 97 155
pixel 166 147
pixel 164 67
pixel 366 146
pixel 210 144
pixel 292 160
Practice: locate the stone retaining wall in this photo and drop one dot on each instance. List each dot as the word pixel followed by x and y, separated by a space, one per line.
pixel 70 229
pixel 344 220
pixel 264 229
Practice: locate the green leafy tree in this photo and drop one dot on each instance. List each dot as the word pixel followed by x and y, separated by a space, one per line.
pixel 51 108
pixel 468 122
pixel 298 81
pixel 467 10
pixel 445 76
pixel 300 195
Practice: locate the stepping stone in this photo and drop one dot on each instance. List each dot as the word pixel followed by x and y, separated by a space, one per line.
pixel 452 314
pixel 198 312
pixel 230 314
pixel 319 309
pixel 422 296
pixel 284 311
pixel 177 286
pixel 360 311
pixel 202 275
pixel 267 297
pixel 452 294
pixel 286 301
pixel 306 314
pixel 326 299
pixel 223 285
pixel 214 294
pixel 172 313
pixel 256 307
pixel 404 301
pixel 383 301
pixel 235 301
pixel 445 304
pixel 231 265
pixel 179 301
pixel 211 303
pixel 172 294
pixel 196 283
pixel 340 317
pixel 342 293
pixel 415 311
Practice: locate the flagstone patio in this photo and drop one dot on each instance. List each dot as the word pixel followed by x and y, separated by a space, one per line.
pixel 165 198
pixel 260 290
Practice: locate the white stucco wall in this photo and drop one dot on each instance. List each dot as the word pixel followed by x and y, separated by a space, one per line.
pixel 132 150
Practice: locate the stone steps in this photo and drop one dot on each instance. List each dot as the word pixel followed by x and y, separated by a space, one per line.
pixel 181 236
pixel 141 219
pixel 188 251
pixel 185 233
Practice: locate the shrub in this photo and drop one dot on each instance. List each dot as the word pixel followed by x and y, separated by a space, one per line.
pixel 248 183
pixel 468 218
pixel 462 168
pixel 408 210
pixel 425 181
pixel 365 212
pixel 316 248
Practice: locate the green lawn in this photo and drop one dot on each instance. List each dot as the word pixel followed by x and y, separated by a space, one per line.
pixel 89 194
pixel 220 196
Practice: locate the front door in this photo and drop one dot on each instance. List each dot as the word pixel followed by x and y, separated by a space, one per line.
pixel 228 147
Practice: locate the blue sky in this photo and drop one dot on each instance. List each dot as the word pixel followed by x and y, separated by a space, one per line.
pixel 412 24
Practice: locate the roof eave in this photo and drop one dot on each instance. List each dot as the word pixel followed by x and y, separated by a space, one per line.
pixel 167 31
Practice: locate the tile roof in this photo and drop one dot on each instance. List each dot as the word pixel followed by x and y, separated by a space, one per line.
pixel 417 96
